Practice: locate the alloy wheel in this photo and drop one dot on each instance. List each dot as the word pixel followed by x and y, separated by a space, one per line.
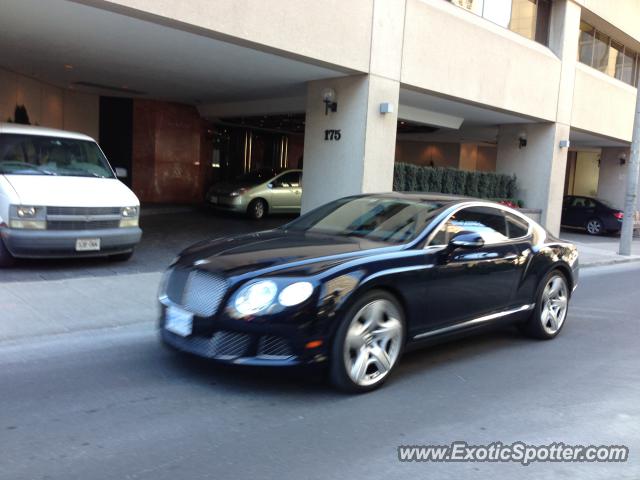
pixel 555 300
pixel 594 227
pixel 373 342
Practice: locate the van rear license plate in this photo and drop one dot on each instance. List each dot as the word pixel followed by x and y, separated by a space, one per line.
pixel 87 244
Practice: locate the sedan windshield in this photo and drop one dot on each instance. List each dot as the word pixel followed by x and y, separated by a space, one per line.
pixel 40 155
pixel 392 220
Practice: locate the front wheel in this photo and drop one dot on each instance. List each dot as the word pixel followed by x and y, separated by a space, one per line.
pixel 552 305
pixel 368 343
pixel 257 209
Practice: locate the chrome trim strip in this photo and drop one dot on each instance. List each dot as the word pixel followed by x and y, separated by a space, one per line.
pixel 476 321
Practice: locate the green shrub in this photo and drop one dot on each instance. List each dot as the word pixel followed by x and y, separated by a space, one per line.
pixel 414 178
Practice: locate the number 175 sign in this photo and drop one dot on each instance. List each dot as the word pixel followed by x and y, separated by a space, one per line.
pixel 332 135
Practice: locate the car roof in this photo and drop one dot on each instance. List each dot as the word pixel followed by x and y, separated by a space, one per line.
pixel 427 196
pixel 19 129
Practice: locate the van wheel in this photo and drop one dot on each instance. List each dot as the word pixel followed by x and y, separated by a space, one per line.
pixel 6 259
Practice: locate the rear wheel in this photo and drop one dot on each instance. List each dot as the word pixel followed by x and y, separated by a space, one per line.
pixel 595 227
pixel 368 343
pixel 6 259
pixel 257 209
pixel 551 308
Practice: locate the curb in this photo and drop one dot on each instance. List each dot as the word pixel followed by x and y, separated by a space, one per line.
pixel 613 261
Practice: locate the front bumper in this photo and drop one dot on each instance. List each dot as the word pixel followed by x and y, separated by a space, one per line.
pixel 233 204
pixel 241 343
pixel 62 243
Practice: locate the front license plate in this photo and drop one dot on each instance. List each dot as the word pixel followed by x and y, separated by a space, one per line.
pixel 178 321
pixel 87 244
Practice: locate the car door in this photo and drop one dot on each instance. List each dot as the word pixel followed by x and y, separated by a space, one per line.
pixel 286 192
pixel 467 284
pixel 581 210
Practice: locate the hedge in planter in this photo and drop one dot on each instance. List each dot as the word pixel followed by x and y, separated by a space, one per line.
pixel 413 178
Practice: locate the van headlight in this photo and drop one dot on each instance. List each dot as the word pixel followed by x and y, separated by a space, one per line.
pixel 27 217
pixel 255 297
pixel 130 216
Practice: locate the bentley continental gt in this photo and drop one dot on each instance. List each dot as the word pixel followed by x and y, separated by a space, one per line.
pixel 356 282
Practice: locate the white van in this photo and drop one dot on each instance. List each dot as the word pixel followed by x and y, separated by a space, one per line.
pixel 59 197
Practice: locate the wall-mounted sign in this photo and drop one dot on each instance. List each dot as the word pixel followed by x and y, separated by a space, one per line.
pixel 332 135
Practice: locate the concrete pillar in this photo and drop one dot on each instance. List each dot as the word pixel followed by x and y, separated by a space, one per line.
pixel 539 167
pixel 362 159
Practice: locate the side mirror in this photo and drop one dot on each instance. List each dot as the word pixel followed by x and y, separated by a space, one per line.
pixel 466 240
pixel 269 185
pixel 121 172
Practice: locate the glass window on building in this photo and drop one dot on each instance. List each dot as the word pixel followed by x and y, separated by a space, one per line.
pixel 529 18
pixel 585 43
pixel 603 53
pixel 628 73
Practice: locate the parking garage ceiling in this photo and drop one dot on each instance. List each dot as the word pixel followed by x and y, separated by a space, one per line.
pixel 72 45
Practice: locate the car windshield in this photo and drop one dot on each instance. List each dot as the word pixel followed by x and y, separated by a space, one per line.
pixel 392 220
pixel 254 178
pixel 40 155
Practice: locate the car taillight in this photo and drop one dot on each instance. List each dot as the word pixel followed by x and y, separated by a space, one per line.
pixel 618 215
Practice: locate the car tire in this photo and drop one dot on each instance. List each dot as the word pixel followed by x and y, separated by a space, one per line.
pixel 361 359
pixel 6 259
pixel 552 306
pixel 594 227
pixel 257 209
pixel 121 257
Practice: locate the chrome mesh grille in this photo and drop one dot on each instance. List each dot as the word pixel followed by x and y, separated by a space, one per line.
pixel 83 210
pixel 203 292
pixel 229 344
pixel 271 346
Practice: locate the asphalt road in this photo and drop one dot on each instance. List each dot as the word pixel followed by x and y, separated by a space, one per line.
pixel 113 404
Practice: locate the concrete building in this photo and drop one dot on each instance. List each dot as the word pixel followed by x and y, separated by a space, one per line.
pixel 181 93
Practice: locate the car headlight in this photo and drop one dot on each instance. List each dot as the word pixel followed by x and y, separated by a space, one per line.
pixel 255 297
pixel 129 217
pixel 238 192
pixel 295 293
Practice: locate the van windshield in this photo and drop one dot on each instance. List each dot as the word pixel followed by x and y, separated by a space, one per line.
pixel 40 155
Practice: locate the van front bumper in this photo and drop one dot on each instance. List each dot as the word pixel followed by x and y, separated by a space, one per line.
pixel 60 244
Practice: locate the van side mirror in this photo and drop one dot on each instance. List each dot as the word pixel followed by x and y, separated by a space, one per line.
pixel 121 172
pixel 466 240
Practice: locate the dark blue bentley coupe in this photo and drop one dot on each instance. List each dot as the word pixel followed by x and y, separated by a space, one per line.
pixel 358 281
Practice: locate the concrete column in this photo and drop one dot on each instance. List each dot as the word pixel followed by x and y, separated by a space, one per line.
pixel 362 159
pixel 539 167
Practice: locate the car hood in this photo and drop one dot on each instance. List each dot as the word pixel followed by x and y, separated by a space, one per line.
pixel 278 251
pixel 63 191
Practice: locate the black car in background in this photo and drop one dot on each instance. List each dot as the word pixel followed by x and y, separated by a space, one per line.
pixel 594 215
pixel 357 281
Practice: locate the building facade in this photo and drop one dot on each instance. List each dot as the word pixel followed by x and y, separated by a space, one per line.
pixel 182 93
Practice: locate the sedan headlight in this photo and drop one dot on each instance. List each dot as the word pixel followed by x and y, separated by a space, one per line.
pixel 129 217
pixel 255 297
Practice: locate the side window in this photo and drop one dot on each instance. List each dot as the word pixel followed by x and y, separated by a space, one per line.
pixel 516 227
pixel 489 222
pixel 589 203
pixel 291 179
pixel 578 202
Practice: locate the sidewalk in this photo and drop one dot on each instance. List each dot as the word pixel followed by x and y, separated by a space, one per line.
pixel 600 250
